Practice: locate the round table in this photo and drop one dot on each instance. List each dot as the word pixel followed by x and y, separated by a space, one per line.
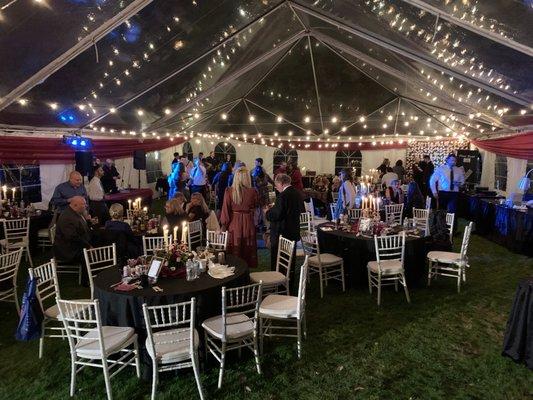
pixel 125 308
pixel 357 251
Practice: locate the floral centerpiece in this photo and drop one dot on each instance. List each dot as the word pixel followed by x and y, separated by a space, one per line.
pixel 175 257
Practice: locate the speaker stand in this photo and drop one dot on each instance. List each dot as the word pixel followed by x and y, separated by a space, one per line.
pixel 139 178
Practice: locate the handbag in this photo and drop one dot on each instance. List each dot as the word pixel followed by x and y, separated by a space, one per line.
pixel 31 314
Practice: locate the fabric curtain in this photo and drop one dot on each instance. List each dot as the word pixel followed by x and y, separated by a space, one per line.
pixel 29 149
pixel 519 146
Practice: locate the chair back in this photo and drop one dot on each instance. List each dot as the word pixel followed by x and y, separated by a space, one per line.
pixel 421 219
pixel 394 213
pixel 80 317
pixel 240 300
pixel 9 265
pixel 466 240
pixel 428 202
pixel 153 243
pixel 354 214
pixel 333 210
pixel 302 286
pixel 47 283
pixel 390 247
pixel 98 259
pixel 450 219
pixel 310 245
pixel 285 254
pixel 305 222
pixel 335 196
pixel 309 207
pixel 52 232
pixel 194 234
pixel 171 316
pixel 217 240
pixel 16 231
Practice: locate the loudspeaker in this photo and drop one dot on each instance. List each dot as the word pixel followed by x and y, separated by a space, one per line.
pixel 470 160
pixel 84 162
pixel 139 159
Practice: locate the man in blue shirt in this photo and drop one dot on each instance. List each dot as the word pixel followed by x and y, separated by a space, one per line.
pixel 65 191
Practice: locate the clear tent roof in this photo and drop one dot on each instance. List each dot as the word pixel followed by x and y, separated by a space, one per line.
pixel 307 68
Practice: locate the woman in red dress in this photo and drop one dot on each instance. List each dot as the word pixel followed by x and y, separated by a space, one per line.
pixel 240 202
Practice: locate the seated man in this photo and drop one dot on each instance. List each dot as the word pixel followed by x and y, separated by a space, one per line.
pixel 72 233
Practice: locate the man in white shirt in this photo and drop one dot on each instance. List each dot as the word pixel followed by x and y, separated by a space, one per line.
pixel 388 177
pixel 445 183
pixel 95 192
pixel 198 178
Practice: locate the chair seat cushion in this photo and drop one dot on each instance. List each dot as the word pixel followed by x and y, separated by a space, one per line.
pixel 268 277
pixel 115 337
pixel 172 345
pixel 445 257
pixel 43 233
pixel 279 306
pixel 387 266
pixel 326 259
pixel 239 325
pixel 52 312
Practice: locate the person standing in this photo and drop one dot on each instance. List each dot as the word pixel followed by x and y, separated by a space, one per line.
pixel 175 160
pixel 95 191
pixel 347 193
pixel 399 170
pixel 414 199
pixel 198 178
pixel 282 169
pixel 260 181
pixel 210 163
pixel 240 202
pixel 109 180
pixel 427 168
pixel 383 167
pixel 445 183
pixel 221 181
pixel 64 192
pixel 388 177
pixel 296 176
pixel 284 215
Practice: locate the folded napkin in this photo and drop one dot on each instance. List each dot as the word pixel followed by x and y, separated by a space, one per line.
pixel 326 228
pixel 126 287
pixel 219 271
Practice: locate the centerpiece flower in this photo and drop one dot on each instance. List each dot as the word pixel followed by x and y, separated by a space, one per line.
pixel 175 257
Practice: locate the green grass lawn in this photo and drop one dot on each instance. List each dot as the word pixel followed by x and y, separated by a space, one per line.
pixel 443 345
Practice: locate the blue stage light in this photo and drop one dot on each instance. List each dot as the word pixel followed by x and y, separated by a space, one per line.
pixel 78 142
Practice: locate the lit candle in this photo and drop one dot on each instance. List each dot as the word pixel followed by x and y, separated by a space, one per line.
pixel 145 209
pixel 363 202
pixel 371 201
pixel 175 238
pixel 4 189
pixel 165 236
pixel 14 190
pixel 138 203
pixel 183 233
pixel 129 204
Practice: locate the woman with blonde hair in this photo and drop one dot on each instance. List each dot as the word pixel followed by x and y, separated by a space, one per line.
pixel 175 211
pixel 238 209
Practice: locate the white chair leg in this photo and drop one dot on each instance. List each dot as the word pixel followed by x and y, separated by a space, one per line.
pixel 405 288
pixel 137 359
pixel 154 378
pixel 17 305
pixel 195 363
pixel 107 380
pixel 369 281
pixel 396 285
pixel 262 331
pixel 41 339
pixel 222 362
pixel 299 329
pixel 28 255
pixel 321 283
pixel 430 266
pixel 379 290
pixel 459 282
pixel 256 355
pixel 72 376
pixel 304 319
pixel 342 276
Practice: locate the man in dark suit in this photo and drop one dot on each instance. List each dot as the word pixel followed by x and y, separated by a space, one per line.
pixel 72 233
pixel 284 216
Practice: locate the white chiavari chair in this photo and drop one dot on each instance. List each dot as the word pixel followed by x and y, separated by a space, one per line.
pixel 194 234
pixel 48 292
pixel 44 238
pixel 276 307
pixel 151 244
pixel 61 267
pixel 92 344
pixel 98 259
pixel 17 236
pixel 450 220
pixel 328 266
pixel 315 220
pixel 172 339
pixel 237 327
pixel 335 196
pixel 421 219
pixel 445 263
pixel 394 213
pixel 305 222
pixel 309 207
pixel 9 265
pixel 217 240
pixel 277 281
pixel 333 210
pixel 428 202
pixel 354 214
pixel 388 268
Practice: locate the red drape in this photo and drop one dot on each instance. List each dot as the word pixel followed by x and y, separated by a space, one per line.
pixel 519 146
pixel 27 149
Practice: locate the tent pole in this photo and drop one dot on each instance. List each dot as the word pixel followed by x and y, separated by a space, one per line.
pixel 132 9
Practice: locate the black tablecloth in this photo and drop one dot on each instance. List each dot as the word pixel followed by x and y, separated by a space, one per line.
pixel 509 227
pixel 518 341
pixel 357 251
